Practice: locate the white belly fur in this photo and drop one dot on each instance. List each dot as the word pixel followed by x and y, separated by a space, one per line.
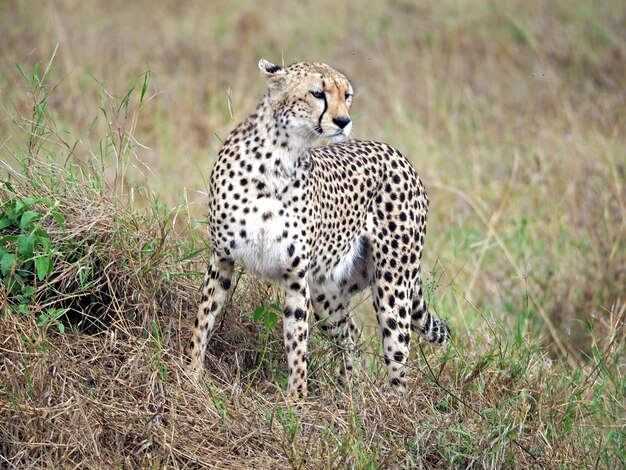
pixel 343 270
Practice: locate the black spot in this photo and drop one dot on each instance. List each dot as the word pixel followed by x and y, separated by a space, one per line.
pixel 391 323
pixel 386 333
pixel 299 314
pixel 213 306
pixel 291 250
pixel 398 356
pixel 225 283
pixel 395 382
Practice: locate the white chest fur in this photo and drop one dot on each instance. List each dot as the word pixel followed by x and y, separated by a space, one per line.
pixel 260 238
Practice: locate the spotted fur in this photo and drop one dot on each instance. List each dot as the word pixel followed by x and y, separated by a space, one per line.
pixel 325 223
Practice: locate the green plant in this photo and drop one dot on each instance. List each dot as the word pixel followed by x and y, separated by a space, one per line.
pixel 26 252
pixel 220 401
pixel 37 126
pixel 121 114
pixel 292 428
pixel 268 313
pixel 159 364
pixel 51 318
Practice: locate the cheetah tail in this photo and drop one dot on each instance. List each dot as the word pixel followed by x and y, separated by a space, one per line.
pixel 431 328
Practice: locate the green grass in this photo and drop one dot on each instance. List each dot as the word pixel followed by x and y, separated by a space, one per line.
pixel 513 114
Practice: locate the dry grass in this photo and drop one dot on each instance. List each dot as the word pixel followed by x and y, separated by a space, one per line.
pixel 513 113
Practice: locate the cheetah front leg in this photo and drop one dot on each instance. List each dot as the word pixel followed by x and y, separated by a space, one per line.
pixel 296 334
pixel 215 288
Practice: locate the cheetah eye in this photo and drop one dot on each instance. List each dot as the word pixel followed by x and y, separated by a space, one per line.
pixel 318 94
pixel 348 95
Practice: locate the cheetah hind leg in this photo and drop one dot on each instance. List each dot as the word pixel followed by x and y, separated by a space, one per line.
pixel 431 328
pixel 217 281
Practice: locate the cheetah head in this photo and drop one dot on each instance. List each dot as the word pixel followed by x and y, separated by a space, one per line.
pixel 310 99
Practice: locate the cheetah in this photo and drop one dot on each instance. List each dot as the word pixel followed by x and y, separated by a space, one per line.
pixel 323 222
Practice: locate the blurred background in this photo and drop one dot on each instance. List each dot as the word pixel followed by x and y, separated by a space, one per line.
pixel 511 111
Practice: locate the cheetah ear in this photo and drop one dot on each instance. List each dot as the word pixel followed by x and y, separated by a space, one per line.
pixel 271 72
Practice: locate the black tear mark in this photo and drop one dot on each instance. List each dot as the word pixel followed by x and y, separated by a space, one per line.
pixel 319 121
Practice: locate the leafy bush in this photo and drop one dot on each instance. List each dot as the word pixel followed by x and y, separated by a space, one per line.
pixel 26 252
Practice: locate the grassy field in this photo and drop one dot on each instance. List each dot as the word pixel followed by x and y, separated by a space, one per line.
pixel 513 113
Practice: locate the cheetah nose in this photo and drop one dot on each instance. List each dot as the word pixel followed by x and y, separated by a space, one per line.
pixel 341 121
